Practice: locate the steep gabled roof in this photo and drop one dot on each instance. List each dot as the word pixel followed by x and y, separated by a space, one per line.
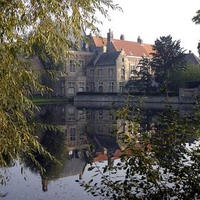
pixel 108 58
pixel 98 41
pixel 149 49
pixel 104 59
pixel 130 48
pixel 191 58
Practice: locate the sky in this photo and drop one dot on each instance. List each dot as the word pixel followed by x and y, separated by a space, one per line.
pixel 151 19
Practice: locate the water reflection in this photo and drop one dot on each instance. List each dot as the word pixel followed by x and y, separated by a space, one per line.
pixel 88 137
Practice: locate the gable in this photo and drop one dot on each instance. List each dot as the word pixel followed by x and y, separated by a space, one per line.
pixel 107 59
pixel 104 59
pixel 191 58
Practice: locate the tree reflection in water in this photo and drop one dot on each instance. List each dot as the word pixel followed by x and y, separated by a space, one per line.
pixel 68 161
pixel 154 161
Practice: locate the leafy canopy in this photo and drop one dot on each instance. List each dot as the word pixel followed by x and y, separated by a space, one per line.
pixel 167 56
pixel 54 25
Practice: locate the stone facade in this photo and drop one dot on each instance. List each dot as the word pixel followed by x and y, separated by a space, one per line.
pixel 73 78
pixel 107 72
pixel 104 65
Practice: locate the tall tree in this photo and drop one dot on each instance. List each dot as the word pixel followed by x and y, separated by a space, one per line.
pixel 196 19
pixel 145 78
pixel 57 26
pixel 167 57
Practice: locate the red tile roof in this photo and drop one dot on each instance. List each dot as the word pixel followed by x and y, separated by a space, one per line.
pixel 99 42
pixel 102 157
pixel 130 48
pixel 149 49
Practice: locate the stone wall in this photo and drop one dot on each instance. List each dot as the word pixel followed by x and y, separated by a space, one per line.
pixel 124 98
pixel 189 95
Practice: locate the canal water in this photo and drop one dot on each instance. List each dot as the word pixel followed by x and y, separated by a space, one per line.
pixel 71 147
pixel 83 128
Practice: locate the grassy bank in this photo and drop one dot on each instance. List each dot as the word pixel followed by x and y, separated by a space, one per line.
pixel 44 100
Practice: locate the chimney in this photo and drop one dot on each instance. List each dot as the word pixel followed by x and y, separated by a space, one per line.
pixel 109 36
pixel 139 40
pixel 122 37
pixel 109 40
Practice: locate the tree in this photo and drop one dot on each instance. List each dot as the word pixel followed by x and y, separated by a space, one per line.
pixel 196 19
pixel 48 76
pixel 156 162
pixel 57 26
pixel 167 57
pixel 177 79
pixel 145 78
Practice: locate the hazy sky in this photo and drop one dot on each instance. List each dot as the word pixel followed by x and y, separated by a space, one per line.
pixel 151 19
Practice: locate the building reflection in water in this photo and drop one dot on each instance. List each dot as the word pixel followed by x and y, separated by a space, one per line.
pixel 88 137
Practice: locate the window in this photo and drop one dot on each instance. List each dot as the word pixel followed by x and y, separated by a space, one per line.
pixel 62 110
pixel 100 72
pixel 71 111
pixel 92 72
pixel 81 86
pixel 132 68
pixel 122 59
pixel 100 129
pixel 81 114
pixel 110 72
pixel 111 87
pixel 100 86
pixel 81 63
pixel 123 71
pixel 72 134
pixel 71 90
pixel 100 114
pixel 92 86
pixel 81 66
pixel 71 87
pixel 72 66
pixel 62 114
pixel 62 88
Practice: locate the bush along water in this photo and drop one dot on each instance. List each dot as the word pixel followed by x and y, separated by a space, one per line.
pixel 160 157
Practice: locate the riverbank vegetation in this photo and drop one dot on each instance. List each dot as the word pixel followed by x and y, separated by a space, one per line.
pixel 54 27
